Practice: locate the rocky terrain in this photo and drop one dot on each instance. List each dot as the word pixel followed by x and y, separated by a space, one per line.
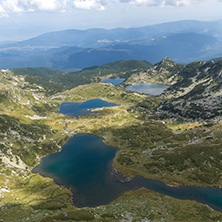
pixel 164 72
pixel 197 96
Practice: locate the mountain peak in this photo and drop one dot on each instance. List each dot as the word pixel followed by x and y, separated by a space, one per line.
pixel 166 60
pixel 165 63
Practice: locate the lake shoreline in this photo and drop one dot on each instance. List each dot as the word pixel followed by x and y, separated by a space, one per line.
pixel 127 184
pixel 113 175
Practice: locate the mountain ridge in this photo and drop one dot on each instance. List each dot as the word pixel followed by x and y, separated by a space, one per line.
pixel 167 27
pixel 183 41
pixel 197 95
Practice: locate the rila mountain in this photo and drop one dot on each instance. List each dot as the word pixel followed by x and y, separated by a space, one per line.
pixel 174 137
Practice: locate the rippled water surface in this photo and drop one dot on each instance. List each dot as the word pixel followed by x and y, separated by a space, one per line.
pixel 147 88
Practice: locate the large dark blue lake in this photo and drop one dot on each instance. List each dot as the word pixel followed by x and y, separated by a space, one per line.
pixel 85 165
pixel 115 81
pixel 147 88
pixel 78 108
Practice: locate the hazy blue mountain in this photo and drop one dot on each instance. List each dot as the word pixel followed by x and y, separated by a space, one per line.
pixel 182 41
pixel 210 28
pixel 99 37
pixel 217 59
pixel 182 47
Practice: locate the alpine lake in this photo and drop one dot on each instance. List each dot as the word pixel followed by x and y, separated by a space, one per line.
pixel 145 88
pixel 85 165
pixel 115 81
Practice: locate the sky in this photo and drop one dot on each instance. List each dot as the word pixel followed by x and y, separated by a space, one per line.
pixel 22 19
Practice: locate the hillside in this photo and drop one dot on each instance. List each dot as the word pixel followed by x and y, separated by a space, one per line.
pixel 44 77
pixel 57 80
pixel 197 95
pixel 21 104
pixel 165 72
pixel 179 153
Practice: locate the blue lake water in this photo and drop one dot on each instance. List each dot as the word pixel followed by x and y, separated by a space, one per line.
pixel 113 81
pixel 147 88
pixel 85 166
pixel 78 108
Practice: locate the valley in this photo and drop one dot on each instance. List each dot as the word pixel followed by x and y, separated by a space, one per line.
pixel 156 139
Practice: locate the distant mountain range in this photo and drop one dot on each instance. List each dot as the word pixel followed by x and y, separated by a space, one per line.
pixel 92 38
pixel 182 41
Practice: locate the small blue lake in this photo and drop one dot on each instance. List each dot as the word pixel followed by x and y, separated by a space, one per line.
pixel 85 165
pixel 115 81
pixel 147 88
pixel 78 108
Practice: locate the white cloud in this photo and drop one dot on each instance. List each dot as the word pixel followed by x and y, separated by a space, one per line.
pixel 3 12
pixel 164 2
pixel 41 5
pixel 11 6
pixel 89 4
pixel 19 6
pixel 49 5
